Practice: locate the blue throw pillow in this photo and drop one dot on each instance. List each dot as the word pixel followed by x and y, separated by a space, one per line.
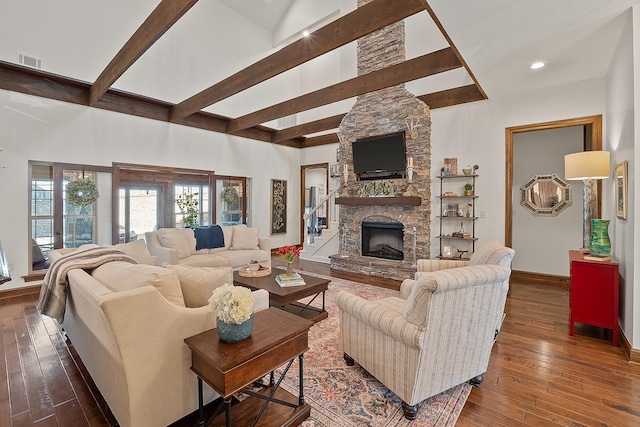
pixel 209 237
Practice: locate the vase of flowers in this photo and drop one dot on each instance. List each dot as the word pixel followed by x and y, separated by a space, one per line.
pixel 234 312
pixel 290 253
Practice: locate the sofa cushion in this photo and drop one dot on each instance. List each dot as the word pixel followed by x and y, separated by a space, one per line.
pixel 239 258
pixel 179 239
pixel 204 260
pixel 138 251
pixel 198 283
pixel 228 236
pixel 244 238
pixel 209 237
pixel 122 276
pixel 492 252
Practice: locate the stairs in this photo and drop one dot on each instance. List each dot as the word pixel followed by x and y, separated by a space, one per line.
pixel 320 248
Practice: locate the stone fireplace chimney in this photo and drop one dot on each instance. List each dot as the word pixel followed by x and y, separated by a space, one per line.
pixel 389 110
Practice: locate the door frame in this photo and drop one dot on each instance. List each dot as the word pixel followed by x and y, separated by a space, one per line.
pixel 303 170
pixel 592 142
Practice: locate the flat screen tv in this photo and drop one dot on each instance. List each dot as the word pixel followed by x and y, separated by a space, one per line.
pixel 380 157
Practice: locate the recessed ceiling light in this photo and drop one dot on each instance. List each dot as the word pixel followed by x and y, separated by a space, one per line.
pixel 537 65
pixel 305 33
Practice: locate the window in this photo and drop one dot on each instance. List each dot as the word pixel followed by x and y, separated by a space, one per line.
pixel 79 225
pixel 41 215
pixel 195 193
pixel 232 203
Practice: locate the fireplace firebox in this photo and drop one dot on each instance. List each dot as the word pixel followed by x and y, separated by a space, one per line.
pixel 383 240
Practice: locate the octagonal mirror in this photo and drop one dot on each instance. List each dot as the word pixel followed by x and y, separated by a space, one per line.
pixel 545 195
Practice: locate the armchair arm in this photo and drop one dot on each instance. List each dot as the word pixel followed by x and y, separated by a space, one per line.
pixel 264 243
pixel 427 265
pixel 380 318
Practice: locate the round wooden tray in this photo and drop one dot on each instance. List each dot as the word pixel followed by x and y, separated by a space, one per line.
pixel 245 272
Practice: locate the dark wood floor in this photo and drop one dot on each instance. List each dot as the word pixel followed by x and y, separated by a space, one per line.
pixel 538 374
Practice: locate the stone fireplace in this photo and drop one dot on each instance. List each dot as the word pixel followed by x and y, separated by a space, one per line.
pixel 408 207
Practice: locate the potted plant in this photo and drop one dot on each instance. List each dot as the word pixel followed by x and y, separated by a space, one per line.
pixel 468 190
pixel 234 312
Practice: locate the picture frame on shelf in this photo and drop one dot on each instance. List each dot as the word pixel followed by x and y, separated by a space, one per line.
pixel 447 251
pixel 621 189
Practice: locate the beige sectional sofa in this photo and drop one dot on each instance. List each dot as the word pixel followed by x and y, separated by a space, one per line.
pixel 178 246
pixel 128 322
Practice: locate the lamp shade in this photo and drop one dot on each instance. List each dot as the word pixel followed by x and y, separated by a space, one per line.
pixel 587 165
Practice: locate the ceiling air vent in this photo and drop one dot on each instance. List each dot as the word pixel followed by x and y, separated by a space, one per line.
pixel 286 122
pixel 29 61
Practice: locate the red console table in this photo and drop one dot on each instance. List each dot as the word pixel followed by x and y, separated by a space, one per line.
pixel 594 293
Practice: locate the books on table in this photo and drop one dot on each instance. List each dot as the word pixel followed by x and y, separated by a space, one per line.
pixel 293 279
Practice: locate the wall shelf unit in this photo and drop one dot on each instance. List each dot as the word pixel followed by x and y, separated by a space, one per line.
pixel 457 209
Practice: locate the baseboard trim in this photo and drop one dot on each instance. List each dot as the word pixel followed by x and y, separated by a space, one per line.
pixel 632 355
pixel 550 279
pixel 18 292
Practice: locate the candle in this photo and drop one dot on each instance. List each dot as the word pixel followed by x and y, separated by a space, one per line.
pixel 410 161
pixel 346 169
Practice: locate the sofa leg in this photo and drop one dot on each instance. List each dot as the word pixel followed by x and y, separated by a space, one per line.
pixel 476 381
pixel 348 359
pixel 410 412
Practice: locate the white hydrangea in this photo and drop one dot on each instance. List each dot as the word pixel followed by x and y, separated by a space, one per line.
pixel 232 304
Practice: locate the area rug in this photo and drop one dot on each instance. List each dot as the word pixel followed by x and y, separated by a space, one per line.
pixel 346 396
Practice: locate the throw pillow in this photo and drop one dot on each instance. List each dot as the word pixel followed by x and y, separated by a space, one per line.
pixel 209 237
pixel 198 283
pixel 122 276
pixel 178 239
pixel 138 251
pixel 245 238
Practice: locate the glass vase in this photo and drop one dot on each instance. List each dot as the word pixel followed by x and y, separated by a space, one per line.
pixel 234 332
pixel 600 245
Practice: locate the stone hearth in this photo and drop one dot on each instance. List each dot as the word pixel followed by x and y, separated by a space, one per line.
pixel 379 113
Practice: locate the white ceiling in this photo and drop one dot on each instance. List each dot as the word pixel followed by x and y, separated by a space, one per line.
pixel 499 39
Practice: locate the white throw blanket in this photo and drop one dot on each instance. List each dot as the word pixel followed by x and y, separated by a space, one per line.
pixel 53 294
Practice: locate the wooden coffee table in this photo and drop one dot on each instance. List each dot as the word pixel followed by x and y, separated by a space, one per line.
pixel 287 298
pixel 277 338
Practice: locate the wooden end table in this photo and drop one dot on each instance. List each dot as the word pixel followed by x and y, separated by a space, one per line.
pixel 277 338
pixel 287 298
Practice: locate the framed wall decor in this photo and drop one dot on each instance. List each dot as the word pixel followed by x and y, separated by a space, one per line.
pixel 621 189
pixel 278 206
pixel 447 251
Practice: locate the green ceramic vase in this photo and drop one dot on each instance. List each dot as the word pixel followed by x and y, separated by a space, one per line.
pixel 600 245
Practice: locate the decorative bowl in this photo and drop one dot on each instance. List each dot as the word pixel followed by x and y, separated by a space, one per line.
pixel 253 267
pixel 467 171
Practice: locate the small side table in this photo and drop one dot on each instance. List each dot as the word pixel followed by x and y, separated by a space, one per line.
pixel 594 293
pixel 278 337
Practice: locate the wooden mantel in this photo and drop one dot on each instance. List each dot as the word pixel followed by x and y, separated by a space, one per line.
pixel 379 201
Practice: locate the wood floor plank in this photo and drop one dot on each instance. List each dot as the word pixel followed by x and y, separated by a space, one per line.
pixel 538 375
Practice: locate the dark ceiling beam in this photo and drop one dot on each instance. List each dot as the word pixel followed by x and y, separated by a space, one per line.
pixel 30 81
pixel 455 96
pixel 422 66
pixel 159 21
pixel 315 141
pixel 308 128
pixel 436 21
pixel 362 21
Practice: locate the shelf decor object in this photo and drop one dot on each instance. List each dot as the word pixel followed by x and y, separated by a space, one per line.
pixel 600 245
pixel 588 166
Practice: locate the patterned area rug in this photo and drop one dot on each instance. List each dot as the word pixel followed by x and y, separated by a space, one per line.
pixel 343 396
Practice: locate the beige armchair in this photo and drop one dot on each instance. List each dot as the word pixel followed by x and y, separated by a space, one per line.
pixel 436 335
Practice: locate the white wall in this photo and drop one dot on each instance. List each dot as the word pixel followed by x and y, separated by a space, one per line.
pixel 33 128
pixel 542 242
pixel 622 135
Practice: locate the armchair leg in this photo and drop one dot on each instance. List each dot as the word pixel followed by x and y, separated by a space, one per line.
pixel 476 381
pixel 348 359
pixel 410 412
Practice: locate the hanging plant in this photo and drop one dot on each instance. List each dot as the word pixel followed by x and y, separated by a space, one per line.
pixel 229 195
pixel 82 192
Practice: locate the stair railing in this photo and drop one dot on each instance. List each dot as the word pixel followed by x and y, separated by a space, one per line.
pixel 331 210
